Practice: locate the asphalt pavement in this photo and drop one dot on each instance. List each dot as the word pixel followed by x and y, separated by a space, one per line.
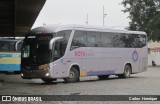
pixel 145 83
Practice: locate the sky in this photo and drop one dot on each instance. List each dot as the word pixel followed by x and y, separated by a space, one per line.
pixel 75 12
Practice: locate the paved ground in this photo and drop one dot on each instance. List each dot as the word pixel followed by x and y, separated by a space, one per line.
pixel 146 83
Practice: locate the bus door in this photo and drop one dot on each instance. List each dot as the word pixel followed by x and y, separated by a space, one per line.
pixel 77 54
pixel 58 56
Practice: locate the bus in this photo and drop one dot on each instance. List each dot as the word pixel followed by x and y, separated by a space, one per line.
pixel 72 51
pixel 10 55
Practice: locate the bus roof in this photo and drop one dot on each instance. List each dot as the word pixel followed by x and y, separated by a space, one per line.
pixel 13 38
pixel 10 39
pixel 56 28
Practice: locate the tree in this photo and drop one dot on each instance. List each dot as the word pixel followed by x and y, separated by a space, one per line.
pixel 145 16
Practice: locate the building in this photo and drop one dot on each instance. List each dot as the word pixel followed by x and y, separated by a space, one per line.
pixel 153 53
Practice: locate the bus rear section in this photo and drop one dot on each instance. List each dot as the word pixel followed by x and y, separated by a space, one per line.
pixel 10 58
pixel 9 62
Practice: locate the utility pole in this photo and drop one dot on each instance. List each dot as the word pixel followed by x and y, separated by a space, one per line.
pixel 104 15
pixel 87 20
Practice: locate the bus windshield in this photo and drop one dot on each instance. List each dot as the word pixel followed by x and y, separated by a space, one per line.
pixel 36 49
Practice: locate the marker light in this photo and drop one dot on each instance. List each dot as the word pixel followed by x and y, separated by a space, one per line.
pixel 47 74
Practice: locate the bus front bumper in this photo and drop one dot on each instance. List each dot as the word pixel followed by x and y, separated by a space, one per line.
pixel 29 74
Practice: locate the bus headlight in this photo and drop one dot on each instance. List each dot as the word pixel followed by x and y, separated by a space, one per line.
pixel 47 74
pixel 22 75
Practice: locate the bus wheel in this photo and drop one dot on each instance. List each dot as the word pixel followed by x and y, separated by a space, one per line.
pixel 127 72
pixel 102 77
pixel 73 76
pixel 46 80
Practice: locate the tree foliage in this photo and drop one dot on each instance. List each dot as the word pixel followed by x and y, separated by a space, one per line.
pixel 145 16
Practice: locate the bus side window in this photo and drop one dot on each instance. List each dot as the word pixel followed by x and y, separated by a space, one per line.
pixel 61 45
pixel 142 41
pixel 59 49
pixel 93 39
pixel 79 40
pixel 12 46
pixel 56 50
pixel 4 46
pixel 106 40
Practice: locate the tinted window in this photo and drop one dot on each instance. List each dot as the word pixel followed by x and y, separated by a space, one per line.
pixel 135 40
pixel 43 48
pixel 61 45
pixel 93 39
pixel 118 40
pixel 107 39
pixel 59 49
pixel 4 46
pixel 129 40
pixel 79 39
pixel 143 40
pixel 7 46
pixel 65 34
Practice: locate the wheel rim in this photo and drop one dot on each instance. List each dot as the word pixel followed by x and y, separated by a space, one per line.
pixel 71 75
pixel 127 71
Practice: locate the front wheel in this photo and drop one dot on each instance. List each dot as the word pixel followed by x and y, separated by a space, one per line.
pixel 127 72
pixel 73 76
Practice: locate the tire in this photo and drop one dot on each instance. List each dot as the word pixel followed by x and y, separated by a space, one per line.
pixel 103 77
pixel 127 72
pixel 73 76
pixel 48 80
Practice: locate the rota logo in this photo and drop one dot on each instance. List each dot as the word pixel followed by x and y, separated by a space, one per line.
pixel 79 53
pixel 135 55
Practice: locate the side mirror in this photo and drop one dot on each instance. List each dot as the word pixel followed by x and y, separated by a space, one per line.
pixel 52 41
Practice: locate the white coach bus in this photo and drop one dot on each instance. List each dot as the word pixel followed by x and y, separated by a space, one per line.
pixel 72 51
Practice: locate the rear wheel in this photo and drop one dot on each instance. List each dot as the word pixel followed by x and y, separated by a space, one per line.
pixel 73 76
pixel 47 80
pixel 102 77
pixel 127 72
